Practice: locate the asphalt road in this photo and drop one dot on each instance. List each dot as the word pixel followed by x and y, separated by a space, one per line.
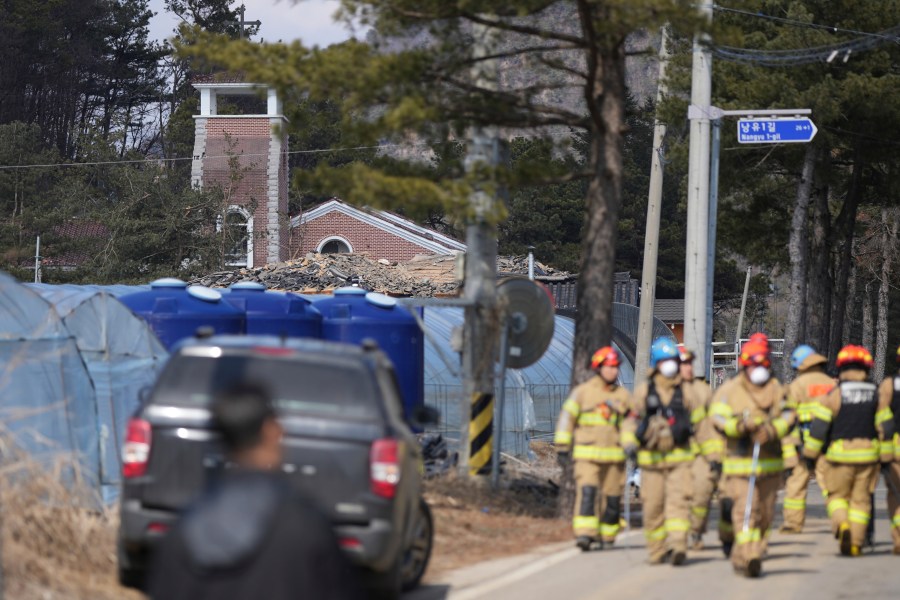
pixel 803 567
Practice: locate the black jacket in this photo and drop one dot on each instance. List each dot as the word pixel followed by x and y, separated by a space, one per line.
pixel 249 536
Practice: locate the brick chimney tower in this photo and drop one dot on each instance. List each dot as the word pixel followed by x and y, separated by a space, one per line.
pixel 256 190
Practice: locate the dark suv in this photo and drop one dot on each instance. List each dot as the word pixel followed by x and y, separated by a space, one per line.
pixel 346 446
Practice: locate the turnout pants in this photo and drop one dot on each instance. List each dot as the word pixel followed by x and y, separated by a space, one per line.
pixel 850 488
pixel 751 542
pixel 705 483
pixel 598 493
pixel 893 502
pixel 795 490
pixel 666 500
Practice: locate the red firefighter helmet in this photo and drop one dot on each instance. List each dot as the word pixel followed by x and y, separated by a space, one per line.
pixel 684 354
pixel 755 353
pixel 606 355
pixel 854 355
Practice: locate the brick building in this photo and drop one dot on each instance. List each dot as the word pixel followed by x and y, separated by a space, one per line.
pixel 246 154
pixel 338 227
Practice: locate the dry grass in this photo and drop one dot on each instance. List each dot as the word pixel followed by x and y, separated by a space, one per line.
pixel 57 540
pixel 475 523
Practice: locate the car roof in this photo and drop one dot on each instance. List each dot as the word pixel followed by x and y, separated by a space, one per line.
pixel 304 345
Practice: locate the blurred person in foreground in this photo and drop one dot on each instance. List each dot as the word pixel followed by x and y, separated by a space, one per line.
pixel 249 535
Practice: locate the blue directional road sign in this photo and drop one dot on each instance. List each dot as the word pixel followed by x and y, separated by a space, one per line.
pixel 796 130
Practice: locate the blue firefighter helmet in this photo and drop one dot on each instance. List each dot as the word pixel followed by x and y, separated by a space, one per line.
pixel 800 354
pixel 662 349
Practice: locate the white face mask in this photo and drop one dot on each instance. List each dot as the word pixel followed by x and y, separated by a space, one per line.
pixel 759 375
pixel 668 368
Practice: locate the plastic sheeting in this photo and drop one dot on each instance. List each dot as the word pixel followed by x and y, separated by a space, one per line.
pixel 535 394
pixel 122 356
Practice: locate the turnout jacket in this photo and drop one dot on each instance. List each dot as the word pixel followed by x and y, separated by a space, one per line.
pixel 803 394
pixel 889 393
pixel 854 422
pixel 708 442
pixel 682 407
pixel 590 422
pixel 734 400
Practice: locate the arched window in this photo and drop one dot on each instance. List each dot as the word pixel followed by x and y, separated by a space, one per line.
pixel 238 233
pixel 335 245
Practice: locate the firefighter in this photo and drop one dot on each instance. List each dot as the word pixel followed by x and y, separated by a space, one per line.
pixel 708 446
pixel 749 410
pixel 589 428
pixel 889 393
pixel 660 426
pixel 859 427
pixel 809 388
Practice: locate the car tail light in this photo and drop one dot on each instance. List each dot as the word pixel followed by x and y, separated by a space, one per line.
pixel 155 527
pixel 384 467
pixel 349 543
pixel 137 448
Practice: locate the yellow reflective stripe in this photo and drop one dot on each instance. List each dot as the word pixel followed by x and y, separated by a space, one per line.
pixel 821 412
pixel 695 447
pixel 648 458
pixel 731 427
pixel 741 466
pixel 837 453
pixel 628 437
pixel 895 522
pixel 605 453
pixel 562 438
pixel 804 411
pixel 781 426
pixel 788 451
pixel 697 415
pixel 609 530
pixel 813 444
pixel 883 415
pixel 745 537
pixel 585 523
pixel 886 448
pixel 795 503
pixel 713 446
pixel 837 504
pixel 676 525
pixel 699 511
pixel 594 420
pixel 720 409
pixel 859 516
pixel 572 407
pixel 655 535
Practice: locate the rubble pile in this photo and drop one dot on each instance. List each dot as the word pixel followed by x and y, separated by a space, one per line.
pixel 424 276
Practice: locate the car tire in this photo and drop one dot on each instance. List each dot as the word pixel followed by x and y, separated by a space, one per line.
pixel 386 585
pixel 415 557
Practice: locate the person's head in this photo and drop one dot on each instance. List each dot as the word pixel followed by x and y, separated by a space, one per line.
pixel 244 416
pixel 605 363
pixel 754 359
pixel 687 362
pixel 854 357
pixel 664 357
pixel 898 357
pixel 800 354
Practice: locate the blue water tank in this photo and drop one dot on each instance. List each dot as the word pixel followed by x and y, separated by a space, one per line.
pixel 274 313
pixel 174 311
pixel 353 314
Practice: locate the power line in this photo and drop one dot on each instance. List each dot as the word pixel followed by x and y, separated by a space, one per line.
pixel 831 28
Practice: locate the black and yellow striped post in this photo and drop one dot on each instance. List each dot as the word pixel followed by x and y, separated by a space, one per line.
pixel 481 433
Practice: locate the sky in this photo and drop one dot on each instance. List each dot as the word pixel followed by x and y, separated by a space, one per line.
pixel 308 20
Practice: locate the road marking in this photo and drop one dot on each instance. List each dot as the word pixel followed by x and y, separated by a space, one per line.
pixel 478 590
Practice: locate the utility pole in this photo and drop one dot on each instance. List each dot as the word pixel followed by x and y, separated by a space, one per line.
pixel 37 261
pixel 480 282
pixel 711 237
pixel 651 237
pixel 698 198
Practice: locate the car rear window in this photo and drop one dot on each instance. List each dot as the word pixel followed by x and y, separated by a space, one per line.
pixel 309 387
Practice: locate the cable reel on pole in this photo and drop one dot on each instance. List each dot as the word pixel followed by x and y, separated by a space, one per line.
pixel 526 330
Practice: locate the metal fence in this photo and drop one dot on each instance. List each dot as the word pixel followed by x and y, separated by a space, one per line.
pixel 724 360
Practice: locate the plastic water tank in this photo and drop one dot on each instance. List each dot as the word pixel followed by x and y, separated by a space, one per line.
pixel 353 314
pixel 274 313
pixel 174 311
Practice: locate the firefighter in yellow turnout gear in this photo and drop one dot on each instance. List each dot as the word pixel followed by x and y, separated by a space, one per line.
pixel 889 393
pixel 589 429
pixel 708 445
pixel 804 393
pixel 749 410
pixel 858 425
pixel 663 412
